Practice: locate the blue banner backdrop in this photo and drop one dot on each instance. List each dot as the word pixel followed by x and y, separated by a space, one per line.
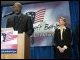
pixel 45 17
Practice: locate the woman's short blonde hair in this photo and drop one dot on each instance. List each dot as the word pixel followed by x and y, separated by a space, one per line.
pixel 64 19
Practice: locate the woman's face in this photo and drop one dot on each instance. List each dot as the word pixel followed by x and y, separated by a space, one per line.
pixel 61 22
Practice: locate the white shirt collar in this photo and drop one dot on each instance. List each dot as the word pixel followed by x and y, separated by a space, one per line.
pixel 62 27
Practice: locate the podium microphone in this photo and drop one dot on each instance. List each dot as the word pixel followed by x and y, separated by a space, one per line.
pixel 8 14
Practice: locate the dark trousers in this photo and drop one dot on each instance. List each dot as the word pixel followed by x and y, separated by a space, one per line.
pixel 65 55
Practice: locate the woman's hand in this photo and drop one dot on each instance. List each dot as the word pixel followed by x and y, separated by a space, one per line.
pixel 61 49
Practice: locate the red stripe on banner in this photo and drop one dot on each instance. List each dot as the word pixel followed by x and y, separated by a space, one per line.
pixel 39 16
pixel 40 13
pixel 41 10
pixel 38 21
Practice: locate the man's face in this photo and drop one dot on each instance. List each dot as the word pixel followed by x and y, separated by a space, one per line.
pixel 16 8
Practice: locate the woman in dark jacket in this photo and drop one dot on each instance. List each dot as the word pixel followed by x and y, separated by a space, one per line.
pixel 62 40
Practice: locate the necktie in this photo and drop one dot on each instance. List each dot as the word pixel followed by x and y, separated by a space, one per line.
pixel 16 22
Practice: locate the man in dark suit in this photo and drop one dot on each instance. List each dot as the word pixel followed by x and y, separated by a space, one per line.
pixel 19 21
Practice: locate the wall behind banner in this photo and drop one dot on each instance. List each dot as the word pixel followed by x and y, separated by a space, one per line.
pixel 47 51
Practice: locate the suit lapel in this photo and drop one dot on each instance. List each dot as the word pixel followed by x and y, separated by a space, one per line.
pixel 64 33
pixel 59 34
pixel 20 19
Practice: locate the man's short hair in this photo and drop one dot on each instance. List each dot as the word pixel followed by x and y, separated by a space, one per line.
pixel 19 4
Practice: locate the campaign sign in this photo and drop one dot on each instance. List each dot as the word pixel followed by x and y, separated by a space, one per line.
pixel 8 40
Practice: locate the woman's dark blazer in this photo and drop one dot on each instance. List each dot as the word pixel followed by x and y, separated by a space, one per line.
pixel 66 37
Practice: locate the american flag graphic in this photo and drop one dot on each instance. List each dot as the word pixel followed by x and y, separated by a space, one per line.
pixel 39 15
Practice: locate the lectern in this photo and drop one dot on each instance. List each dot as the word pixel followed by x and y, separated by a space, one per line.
pixel 23 48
